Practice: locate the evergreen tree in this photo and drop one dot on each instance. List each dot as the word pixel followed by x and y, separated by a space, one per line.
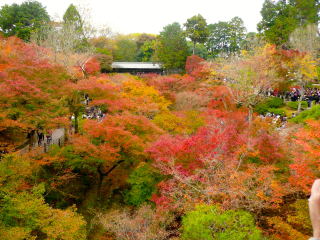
pixel 172 48
pixel 219 38
pixel 126 51
pixel 201 50
pixel 73 16
pixel 280 19
pixel 197 30
pixel 146 52
pixel 237 33
pixel 22 20
pixel 226 38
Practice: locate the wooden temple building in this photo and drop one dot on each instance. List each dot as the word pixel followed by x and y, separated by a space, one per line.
pixel 136 67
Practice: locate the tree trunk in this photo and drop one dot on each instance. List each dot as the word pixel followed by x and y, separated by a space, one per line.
pixel 250 118
pixel 102 175
pixel 33 139
pixel 300 99
pixel 224 103
pixel 76 123
pixel 194 48
pixel 250 108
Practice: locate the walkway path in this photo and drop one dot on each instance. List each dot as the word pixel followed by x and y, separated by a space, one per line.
pixel 57 134
pixel 57 139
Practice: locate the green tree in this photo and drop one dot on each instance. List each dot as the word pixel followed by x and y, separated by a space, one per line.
pixel 237 33
pixel 81 26
pixel 144 37
pixel 146 52
pixel 22 20
pixel 276 22
pixel 226 37
pixel 209 222
pixel 197 30
pixel 307 11
pixel 126 51
pixel 73 16
pixel 143 181
pixel 23 211
pixel 172 49
pixel 201 50
pixel 280 19
pixel 219 39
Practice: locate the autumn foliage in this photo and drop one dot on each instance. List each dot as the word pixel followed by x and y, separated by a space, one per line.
pixel 29 91
pixel 168 147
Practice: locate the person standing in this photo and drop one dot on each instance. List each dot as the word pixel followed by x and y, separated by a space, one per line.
pixel 49 136
pixel 39 137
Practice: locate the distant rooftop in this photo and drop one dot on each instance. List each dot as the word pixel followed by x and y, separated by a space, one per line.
pixel 136 65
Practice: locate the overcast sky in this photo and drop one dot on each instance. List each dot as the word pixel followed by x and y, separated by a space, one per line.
pixel 145 16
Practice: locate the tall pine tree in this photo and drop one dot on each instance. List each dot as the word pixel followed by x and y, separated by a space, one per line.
pixel 172 49
pixel 281 18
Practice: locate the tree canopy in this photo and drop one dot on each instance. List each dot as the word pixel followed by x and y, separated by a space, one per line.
pixel 23 19
pixel 126 50
pixel 160 156
pixel 226 38
pixel 172 49
pixel 72 16
pixel 196 30
pixel 281 18
pixel 237 33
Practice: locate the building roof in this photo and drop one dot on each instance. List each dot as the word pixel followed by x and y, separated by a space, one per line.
pixel 136 65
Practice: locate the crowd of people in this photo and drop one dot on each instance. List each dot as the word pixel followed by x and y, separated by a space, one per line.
pixel 310 95
pixel 93 113
pixel 278 120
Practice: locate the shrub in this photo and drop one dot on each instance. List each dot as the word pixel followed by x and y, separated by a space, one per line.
pixel 192 63
pixel 277 111
pixel 294 105
pixel 193 121
pixel 191 101
pixel 313 113
pixel 273 102
pixel 261 108
pixel 30 107
pixel 143 180
pixel 208 222
pixel 143 224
